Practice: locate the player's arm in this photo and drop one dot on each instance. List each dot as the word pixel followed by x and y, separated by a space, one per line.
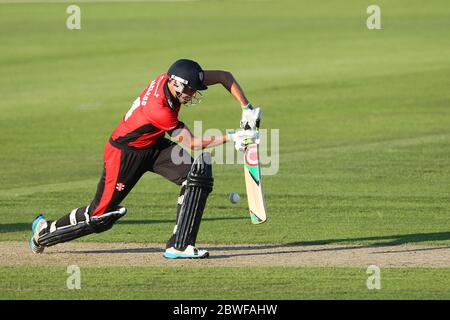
pixel 225 78
pixel 184 136
pixel 250 115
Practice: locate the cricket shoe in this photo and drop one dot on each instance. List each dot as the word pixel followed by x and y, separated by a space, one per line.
pixel 38 225
pixel 190 252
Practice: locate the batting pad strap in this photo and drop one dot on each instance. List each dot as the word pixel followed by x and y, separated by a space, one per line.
pixel 106 220
pixel 53 226
pixel 73 216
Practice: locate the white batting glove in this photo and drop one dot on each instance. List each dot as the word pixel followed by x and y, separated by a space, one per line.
pixel 242 138
pixel 250 117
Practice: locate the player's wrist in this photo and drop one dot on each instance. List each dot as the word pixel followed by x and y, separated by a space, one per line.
pixel 248 106
pixel 230 136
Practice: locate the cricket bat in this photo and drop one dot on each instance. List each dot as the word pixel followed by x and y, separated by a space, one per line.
pixel 253 184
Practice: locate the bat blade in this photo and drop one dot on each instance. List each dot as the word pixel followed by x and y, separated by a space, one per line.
pixel 253 184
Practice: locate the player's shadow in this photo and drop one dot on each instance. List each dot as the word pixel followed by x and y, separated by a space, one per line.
pixel 148 221
pixel 303 246
pixel 18 227
pixel 14 227
pixel 391 240
pixel 124 250
pixel 314 246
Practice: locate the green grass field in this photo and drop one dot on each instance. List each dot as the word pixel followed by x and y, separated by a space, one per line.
pixel 224 283
pixel 364 120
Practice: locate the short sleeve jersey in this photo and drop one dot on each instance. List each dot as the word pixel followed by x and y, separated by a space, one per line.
pixel 152 114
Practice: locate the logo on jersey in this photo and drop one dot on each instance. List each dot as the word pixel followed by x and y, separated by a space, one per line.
pixel 147 93
pixel 120 186
pixel 156 94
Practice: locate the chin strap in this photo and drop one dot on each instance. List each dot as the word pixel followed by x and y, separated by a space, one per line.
pixel 195 100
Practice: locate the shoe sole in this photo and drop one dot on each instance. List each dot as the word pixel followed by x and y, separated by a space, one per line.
pixel 35 248
pixel 184 256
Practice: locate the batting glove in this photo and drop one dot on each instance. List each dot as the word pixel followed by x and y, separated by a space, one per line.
pixel 242 138
pixel 250 117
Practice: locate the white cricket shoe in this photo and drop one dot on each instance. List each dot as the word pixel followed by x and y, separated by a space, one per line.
pixel 190 252
pixel 38 224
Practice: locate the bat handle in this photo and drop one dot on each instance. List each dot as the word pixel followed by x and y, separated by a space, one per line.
pixel 248 141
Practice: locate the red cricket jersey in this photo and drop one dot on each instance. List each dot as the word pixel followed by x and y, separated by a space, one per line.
pixel 152 114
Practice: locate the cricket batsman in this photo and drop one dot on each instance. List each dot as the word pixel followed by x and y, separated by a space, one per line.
pixel 138 145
